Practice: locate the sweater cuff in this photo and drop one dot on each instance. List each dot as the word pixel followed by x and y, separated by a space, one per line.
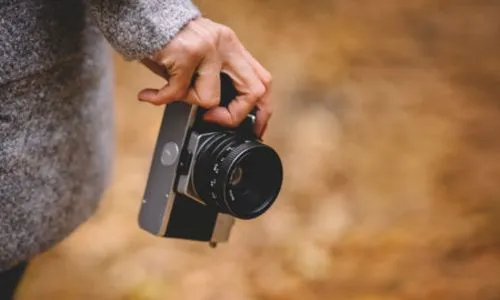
pixel 138 28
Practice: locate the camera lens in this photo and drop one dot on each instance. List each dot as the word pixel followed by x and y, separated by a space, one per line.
pixel 242 177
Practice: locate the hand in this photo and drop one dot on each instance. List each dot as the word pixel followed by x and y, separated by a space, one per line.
pixel 206 48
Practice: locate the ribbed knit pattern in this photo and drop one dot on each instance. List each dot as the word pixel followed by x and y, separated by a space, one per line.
pixel 56 108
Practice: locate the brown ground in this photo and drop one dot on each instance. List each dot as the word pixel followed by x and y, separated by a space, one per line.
pixel 387 116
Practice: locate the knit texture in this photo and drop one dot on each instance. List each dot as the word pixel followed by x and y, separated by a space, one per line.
pixel 139 27
pixel 56 108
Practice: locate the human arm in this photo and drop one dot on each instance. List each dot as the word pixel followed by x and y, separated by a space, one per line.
pixel 171 35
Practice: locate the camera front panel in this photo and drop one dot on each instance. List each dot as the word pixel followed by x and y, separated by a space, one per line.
pixel 159 195
pixel 164 211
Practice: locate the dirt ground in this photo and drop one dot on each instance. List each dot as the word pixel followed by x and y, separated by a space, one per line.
pixel 387 117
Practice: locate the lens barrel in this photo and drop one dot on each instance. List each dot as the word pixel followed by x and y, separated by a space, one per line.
pixel 242 177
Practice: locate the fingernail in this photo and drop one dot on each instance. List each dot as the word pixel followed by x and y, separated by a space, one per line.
pixel 147 93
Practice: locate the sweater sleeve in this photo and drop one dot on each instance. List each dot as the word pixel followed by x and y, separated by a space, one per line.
pixel 137 28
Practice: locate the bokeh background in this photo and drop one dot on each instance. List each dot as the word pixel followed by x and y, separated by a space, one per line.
pixel 387 116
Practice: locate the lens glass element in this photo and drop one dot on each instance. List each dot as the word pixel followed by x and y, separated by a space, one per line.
pixel 236 176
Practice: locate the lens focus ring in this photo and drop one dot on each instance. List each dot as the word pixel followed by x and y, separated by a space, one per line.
pixel 207 168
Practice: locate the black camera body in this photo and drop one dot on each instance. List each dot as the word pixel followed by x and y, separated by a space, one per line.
pixel 204 176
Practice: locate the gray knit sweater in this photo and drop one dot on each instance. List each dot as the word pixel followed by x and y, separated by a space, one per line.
pixel 56 117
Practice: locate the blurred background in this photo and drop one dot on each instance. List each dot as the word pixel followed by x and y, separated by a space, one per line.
pixel 387 117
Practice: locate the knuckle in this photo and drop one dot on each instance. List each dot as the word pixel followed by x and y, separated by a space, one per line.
pixel 213 102
pixel 267 79
pixel 211 43
pixel 179 93
pixel 251 100
pixel 258 91
pixel 192 51
pixel 209 102
pixel 226 33
pixel 191 98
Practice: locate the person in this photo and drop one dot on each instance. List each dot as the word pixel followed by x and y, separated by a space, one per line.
pixel 56 103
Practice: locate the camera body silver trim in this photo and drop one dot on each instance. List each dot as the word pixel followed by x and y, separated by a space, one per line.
pixel 161 189
pixel 185 184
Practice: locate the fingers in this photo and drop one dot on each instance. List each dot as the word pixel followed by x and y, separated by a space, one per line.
pixel 245 80
pixel 154 67
pixel 264 110
pixel 205 48
pixel 207 84
pixel 176 88
pixel 205 92
pixel 250 88
pixel 263 116
pixel 191 52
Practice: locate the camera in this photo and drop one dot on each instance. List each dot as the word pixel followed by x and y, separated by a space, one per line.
pixel 204 176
